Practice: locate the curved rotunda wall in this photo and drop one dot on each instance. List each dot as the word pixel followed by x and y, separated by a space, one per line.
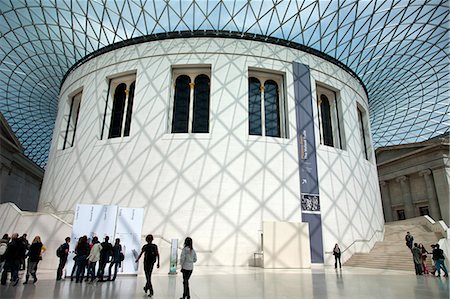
pixel 216 187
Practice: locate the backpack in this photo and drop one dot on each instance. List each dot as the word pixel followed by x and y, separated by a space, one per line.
pixel 3 247
pixel 60 251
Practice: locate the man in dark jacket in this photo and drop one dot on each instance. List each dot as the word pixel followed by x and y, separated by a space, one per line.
pixel 105 254
pixel 63 253
pixel 439 260
pixel 15 252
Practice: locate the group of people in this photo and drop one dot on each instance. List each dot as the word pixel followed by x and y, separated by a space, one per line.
pixel 420 254
pixel 15 252
pixel 87 255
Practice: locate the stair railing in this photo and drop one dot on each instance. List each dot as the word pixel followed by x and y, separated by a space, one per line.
pixel 358 240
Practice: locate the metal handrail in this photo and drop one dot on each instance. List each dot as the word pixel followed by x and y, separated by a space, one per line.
pixel 358 240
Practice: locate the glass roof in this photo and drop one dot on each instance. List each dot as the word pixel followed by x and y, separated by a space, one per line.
pixel 398 48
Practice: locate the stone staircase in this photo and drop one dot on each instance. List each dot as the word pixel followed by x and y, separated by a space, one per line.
pixel 392 253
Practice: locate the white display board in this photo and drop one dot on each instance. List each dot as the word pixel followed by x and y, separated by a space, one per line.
pixel 128 230
pixel 112 221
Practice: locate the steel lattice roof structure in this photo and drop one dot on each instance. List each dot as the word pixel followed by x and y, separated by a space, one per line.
pixel 399 49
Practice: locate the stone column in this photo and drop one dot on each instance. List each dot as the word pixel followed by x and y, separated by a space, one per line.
pixel 407 200
pixel 431 194
pixel 386 198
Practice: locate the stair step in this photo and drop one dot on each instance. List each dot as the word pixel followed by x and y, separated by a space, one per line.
pixel 392 253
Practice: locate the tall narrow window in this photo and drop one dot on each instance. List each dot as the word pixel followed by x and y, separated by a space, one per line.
pixel 119 107
pixel 191 100
pixel 331 133
pixel 72 121
pixel 266 107
pixel 362 132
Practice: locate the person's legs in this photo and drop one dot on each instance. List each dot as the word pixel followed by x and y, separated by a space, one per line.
pixel 116 268
pixel 150 286
pixel 438 267
pixel 147 277
pixel 101 269
pixel 15 272
pixel 74 268
pixel 339 259
pixel 81 267
pixel 444 268
pixel 34 270
pixel 186 276
pixel 335 262
pixel 62 263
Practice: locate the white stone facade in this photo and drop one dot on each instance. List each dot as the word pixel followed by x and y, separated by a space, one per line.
pixel 217 187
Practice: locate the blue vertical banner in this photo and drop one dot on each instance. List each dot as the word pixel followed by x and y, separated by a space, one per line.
pixel 309 182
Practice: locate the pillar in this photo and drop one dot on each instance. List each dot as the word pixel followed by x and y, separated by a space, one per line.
pixel 407 200
pixel 387 204
pixel 433 203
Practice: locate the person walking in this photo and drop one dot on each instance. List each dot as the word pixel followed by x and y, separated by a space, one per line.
pixel 438 257
pixel 34 254
pixel 93 258
pixel 150 257
pixel 3 246
pixel 337 256
pixel 26 245
pixel 187 259
pixel 105 254
pixel 15 253
pixel 424 259
pixel 62 252
pixel 409 240
pixel 417 257
pixel 82 251
pixel 116 259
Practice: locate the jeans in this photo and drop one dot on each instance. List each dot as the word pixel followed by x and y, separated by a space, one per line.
pixel 91 270
pixel 440 263
pixel 101 268
pixel 81 266
pixel 336 259
pixel 418 268
pixel 186 275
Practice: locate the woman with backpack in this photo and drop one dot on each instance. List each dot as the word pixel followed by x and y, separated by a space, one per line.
pixel 187 259
pixel 150 257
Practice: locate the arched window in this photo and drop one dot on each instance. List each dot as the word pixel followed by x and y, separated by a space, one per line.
pixel 254 106
pixel 266 108
pixel 72 121
pixel 181 105
pixel 115 128
pixel 272 108
pixel 200 122
pixel 331 133
pixel 327 129
pixel 119 107
pixel 191 100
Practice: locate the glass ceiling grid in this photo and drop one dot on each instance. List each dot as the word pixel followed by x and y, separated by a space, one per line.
pixel 398 48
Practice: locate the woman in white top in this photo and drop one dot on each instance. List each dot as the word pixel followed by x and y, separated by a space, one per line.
pixel 93 258
pixel 187 259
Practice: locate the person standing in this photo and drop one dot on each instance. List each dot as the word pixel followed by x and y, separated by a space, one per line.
pixel 187 259
pixel 337 256
pixel 82 251
pixel 417 257
pixel 26 245
pixel 3 246
pixel 34 254
pixel 438 257
pixel 93 258
pixel 150 257
pixel 14 254
pixel 62 253
pixel 409 240
pixel 116 259
pixel 104 258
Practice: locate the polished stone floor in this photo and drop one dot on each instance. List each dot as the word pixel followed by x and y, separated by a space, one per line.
pixel 243 283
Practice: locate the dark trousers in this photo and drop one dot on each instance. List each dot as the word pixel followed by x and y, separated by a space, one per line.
pixel 81 267
pixel 62 263
pixel 101 268
pixel 186 275
pixel 418 268
pixel 336 260
pixel 148 269
pixel 13 267
pixel 116 265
